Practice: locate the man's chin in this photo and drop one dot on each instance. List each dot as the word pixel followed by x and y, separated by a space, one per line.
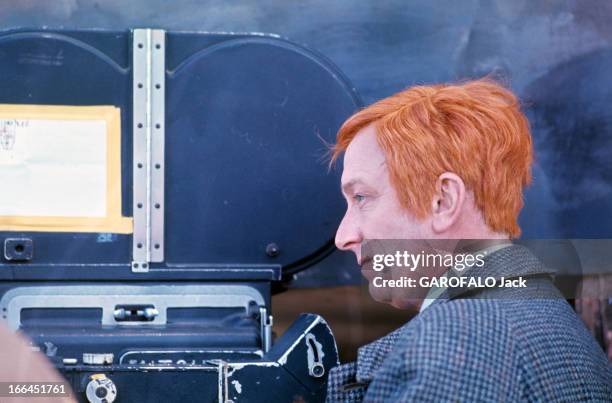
pixel 413 305
pixel 379 294
pixel 406 304
pixel 368 274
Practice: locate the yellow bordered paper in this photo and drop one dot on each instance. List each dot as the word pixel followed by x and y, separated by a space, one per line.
pixel 60 169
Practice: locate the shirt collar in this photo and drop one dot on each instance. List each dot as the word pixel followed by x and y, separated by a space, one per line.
pixel 436 292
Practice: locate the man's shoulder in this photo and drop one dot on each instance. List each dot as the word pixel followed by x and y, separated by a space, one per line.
pixel 462 342
pixel 487 317
pixel 467 324
pixel 532 340
pixel 491 348
pixel 499 333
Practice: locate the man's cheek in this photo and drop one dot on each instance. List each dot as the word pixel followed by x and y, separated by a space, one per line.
pixel 378 285
pixel 376 223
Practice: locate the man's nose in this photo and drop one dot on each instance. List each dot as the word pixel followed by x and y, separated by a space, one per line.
pixel 348 235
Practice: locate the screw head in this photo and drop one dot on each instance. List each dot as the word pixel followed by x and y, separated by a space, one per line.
pixel 318 371
pixel 272 250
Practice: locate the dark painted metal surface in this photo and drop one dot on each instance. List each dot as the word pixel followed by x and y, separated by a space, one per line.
pixel 281 375
pixel 248 120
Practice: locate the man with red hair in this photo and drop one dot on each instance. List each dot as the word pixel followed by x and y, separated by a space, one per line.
pixel 449 162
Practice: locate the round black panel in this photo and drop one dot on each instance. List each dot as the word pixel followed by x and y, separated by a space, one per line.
pixel 248 123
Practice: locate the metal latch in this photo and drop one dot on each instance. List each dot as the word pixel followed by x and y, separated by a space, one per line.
pixel 135 313
pixel 266 322
pixel 315 356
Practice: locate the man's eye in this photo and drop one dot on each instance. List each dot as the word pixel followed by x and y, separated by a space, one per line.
pixel 359 198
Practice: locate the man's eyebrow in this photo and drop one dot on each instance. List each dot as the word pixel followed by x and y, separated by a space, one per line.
pixel 348 186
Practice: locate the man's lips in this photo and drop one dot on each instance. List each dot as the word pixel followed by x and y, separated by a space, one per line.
pixel 362 260
pixel 366 267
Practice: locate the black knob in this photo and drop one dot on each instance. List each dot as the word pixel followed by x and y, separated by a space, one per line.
pixel 101 392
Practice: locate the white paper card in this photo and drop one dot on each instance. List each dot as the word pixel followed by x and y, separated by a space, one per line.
pixel 53 168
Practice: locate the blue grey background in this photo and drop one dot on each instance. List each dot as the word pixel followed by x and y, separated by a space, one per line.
pixel 555 55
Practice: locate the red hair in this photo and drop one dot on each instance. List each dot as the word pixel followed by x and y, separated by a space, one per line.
pixel 474 129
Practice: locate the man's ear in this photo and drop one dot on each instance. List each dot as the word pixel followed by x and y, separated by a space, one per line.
pixel 447 202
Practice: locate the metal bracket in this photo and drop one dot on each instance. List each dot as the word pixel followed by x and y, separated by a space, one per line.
pixel 107 297
pixel 18 249
pixel 266 322
pixel 148 142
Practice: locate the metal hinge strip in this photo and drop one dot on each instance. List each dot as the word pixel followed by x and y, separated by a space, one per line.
pixel 148 147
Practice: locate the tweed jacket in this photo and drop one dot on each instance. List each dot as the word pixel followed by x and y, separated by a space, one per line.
pixel 484 345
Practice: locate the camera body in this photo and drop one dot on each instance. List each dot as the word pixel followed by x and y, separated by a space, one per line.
pixel 211 165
